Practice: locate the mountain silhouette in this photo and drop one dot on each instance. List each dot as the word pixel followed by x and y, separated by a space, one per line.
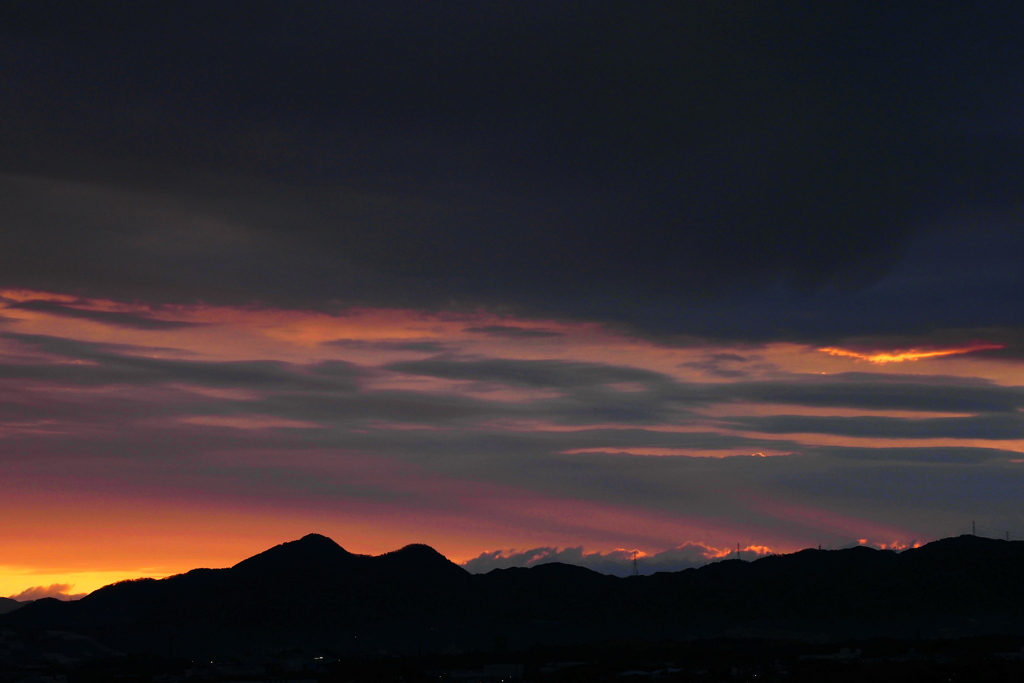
pixel 7 604
pixel 310 551
pixel 313 593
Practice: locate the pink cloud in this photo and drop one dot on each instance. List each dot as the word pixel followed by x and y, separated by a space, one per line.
pixel 618 562
pixel 61 591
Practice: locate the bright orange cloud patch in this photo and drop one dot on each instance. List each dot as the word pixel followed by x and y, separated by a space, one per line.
pixel 909 354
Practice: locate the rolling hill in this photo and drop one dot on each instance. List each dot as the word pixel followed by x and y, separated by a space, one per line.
pixel 313 593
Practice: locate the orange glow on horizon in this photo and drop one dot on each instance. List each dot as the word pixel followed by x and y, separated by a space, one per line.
pixel 226 494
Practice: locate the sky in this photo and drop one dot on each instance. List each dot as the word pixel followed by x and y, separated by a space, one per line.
pixel 524 281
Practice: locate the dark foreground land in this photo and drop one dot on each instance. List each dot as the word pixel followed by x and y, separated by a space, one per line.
pixel 952 608
pixel 980 660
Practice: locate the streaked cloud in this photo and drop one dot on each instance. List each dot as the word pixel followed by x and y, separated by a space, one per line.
pixel 514 331
pixel 616 562
pixel 439 276
pixel 60 591
pixel 907 354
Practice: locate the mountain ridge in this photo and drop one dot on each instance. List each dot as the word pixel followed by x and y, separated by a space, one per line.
pixel 9 604
pixel 313 592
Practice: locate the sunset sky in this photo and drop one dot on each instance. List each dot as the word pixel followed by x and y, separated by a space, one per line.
pixel 518 280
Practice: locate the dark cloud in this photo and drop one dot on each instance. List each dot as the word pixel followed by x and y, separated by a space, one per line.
pixel 420 346
pixel 587 394
pixel 119 319
pixel 931 454
pixel 333 393
pixel 730 365
pixel 86 350
pixel 513 332
pixel 870 391
pixel 1003 426
pixel 108 364
pixel 727 357
pixel 729 170
pixel 539 373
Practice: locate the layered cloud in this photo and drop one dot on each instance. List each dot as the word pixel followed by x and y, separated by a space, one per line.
pixel 497 275
pixel 616 562
pixel 589 435
pixel 60 591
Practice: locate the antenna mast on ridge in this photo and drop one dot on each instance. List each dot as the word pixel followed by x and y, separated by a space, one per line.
pixel 636 572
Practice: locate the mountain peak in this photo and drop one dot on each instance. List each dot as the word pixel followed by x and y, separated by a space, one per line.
pixel 310 549
pixel 311 590
pixel 966 545
pixel 422 560
pixel 417 549
pixel 415 553
pixel 318 539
